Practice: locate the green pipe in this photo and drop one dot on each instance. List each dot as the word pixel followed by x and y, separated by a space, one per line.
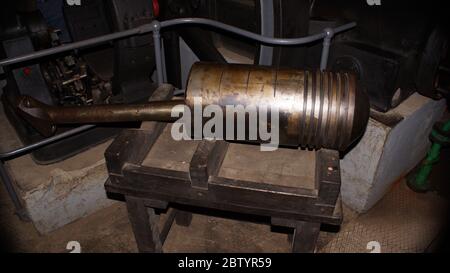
pixel 419 182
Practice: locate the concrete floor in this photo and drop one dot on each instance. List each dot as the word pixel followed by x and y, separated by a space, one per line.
pixel 403 221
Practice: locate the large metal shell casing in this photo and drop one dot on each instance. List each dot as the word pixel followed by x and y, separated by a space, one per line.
pixel 316 109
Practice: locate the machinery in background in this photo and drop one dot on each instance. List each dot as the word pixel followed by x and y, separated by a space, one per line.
pixel 396 49
pixel 119 72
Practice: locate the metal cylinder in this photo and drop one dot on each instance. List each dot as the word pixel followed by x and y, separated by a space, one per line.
pixel 316 109
pixel 44 117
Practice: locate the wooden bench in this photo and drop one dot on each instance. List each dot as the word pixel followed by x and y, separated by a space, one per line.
pixel 292 187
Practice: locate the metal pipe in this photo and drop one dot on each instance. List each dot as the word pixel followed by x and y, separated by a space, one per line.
pixel 254 36
pixel 159 25
pixel 75 45
pixel 20 210
pixel 26 149
pixel 267 29
pixel 326 48
pixel 44 117
pixel 157 45
pixel 418 181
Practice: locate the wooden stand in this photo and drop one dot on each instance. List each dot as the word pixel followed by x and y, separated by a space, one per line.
pixel 295 188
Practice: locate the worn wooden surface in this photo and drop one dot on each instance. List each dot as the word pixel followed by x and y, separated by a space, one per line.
pixel 169 154
pixel 292 187
pixel 145 224
pixel 283 167
pixel 169 172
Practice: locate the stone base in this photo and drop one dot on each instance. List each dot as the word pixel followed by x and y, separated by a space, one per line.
pixel 393 144
pixel 56 194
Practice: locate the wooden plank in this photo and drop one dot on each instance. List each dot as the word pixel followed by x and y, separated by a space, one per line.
pixel 259 186
pixel 198 167
pixel 283 167
pixel 206 161
pixel 144 222
pixel 131 146
pixel 157 204
pixel 302 215
pixel 172 213
pixel 146 181
pixel 329 178
pixel 183 218
pixel 305 237
pixel 170 154
pixel 216 157
pixel 219 197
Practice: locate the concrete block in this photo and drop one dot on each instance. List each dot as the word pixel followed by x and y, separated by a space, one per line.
pixel 56 194
pixel 393 144
pixel 68 196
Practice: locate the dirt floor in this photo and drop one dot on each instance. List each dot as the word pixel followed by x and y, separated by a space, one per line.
pixel 403 221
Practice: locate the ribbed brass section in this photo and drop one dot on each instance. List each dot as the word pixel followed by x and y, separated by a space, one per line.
pixel 316 109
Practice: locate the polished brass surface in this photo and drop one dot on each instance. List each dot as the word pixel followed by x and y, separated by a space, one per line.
pixel 44 117
pixel 316 109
